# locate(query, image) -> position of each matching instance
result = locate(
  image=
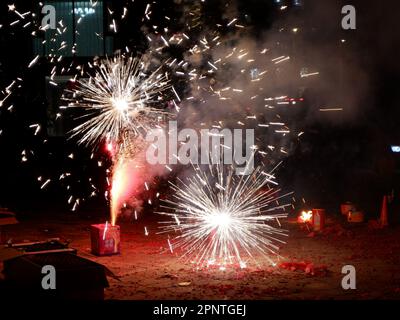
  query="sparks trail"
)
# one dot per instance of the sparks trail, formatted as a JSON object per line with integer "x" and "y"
{"x": 225, "y": 219}
{"x": 119, "y": 100}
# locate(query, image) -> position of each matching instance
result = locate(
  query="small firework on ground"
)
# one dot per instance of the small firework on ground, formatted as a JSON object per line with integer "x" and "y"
{"x": 223, "y": 219}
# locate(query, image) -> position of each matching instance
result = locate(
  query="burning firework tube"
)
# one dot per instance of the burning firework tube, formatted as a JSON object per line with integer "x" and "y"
{"x": 318, "y": 219}
{"x": 105, "y": 239}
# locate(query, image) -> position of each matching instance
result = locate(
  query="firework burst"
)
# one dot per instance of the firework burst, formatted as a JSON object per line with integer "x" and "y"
{"x": 225, "y": 219}
{"x": 119, "y": 101}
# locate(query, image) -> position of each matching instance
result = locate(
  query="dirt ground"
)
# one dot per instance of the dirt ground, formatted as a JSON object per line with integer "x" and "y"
{"x": 146, "y": 269}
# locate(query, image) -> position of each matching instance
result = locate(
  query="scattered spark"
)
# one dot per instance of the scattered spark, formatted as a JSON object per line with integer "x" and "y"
{"x": 231, "y": 22}
{"x": 170, "y": 246}
{"x": 330, "y": 109}
{"x": 105, "y": 230}
{"x": 309, "y": 74}
{"x": 45, "y": 184}
{"x": 33, "y": 61}
{"x": 176, "y": 94}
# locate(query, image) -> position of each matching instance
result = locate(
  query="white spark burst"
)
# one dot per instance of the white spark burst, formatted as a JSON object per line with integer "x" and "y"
{"x": 225, "y": 219}
{"x": 118, "y": 99}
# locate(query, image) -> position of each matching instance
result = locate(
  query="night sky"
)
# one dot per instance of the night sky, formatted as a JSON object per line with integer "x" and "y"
{"x": 337, "y": 152}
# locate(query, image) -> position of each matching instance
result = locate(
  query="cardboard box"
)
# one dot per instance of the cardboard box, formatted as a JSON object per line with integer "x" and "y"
{"x": 105, "y": 239}
{"x": 76, "y": 277}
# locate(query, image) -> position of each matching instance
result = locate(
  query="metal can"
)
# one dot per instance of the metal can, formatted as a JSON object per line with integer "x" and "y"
{"x": 318, "y": 219}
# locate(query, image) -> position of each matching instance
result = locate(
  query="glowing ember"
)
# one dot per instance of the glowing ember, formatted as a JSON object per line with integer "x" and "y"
{"x": 306, "y": 216}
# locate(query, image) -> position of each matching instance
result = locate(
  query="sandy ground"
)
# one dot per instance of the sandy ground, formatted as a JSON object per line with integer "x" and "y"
{"x": 147, "y": 270}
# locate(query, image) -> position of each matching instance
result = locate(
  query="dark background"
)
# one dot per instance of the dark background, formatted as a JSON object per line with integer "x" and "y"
{"x": 334, "y": 161}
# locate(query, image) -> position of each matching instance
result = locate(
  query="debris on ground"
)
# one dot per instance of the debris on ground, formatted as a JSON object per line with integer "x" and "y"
{"x": 306, "y": 267}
